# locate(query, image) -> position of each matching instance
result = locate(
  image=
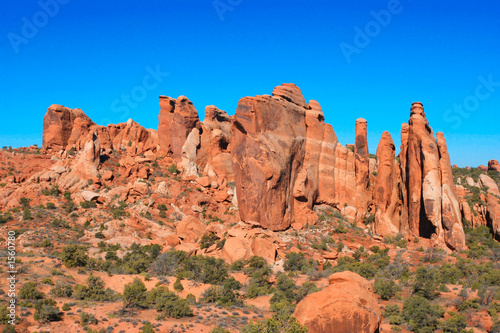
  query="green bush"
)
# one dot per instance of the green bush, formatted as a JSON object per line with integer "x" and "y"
{"x": 295, "y": 262}
{"x": 46, "y": 311}
{"x": 279, "y": 323}
{"x": 454, "y": 324}
{"x": 219, "y": 329}
{"x": 87, "y": 319}
{"x": 385, "y": 288}
{"x": 173, "y": 169}
{"x": 74, "y": 256}
{"x": 168, "y": 303}
{"x": 178, "y": 285}
{"x": 420, "y": 315}
{"x": 147, "y": 328}
{"x": 134, "y": 294}
{"x": 88, "y": 204}
{"x": 94, "y": 290}
{"x": 28, "y": 291}
{"x": 62, "y": 290}
{"x": 50, "y": 205}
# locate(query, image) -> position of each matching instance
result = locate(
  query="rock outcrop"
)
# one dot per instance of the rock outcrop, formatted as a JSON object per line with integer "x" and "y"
{"x": 284, "y": 159}
{"x": 386, "y": 193}
{"x": 494, "y": 165}
{"x": 177, "y": 119}
{"x": 347, "y": 305}
{"x": 68, "y": 129}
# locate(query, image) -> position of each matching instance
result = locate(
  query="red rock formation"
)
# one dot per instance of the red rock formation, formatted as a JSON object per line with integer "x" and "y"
{"x": 494, "y": 165}
{"x": 268, "y": 148}
{"x": 424, "y": 183}
{"x": 493, "y": 215}
{"x": 362, "y": 164}
{"x": 59, "y": 124}
{"x": 427, "y": 197}
{"x": 177, "y": 118}
{"x": 347, "y": 305}
{"x": 66, "y": 129}
{"x": 214, "y": 157}
{"x": 386, "y": 193}
{"x": 451, "y": 218}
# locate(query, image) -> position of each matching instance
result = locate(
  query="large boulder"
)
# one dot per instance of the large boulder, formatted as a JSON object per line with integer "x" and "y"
{"x": 494, "y": 165}
{"x": 347, "y": 305}
{"x": 190, "y": 229}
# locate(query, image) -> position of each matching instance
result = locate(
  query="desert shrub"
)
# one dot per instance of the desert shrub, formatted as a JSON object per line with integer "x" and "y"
{"x": 454, "y": 324}
{"x": 134, "y": 294}
{"x": 9, "y": 329}
{"x": 4, "y": 311}
{"x": 25, "y": 202}
{"x": 224, "y": 295}
{"x": 119, "y": 211}
{"x": 173, "y": 169}
{"x": 46, "y": 311}
{"x": 48, "y": 280}
{"x": 28, "y": 291}
{"x": 280, "y": 323}
{"x": 219, "y": 329}
{"x": 420, "y": 315}
{"x": 168, "y": 303}
{"x": 178, "y": 285}
{"x": 5, "y": 218}
{"x": 147, "y": 328}
{"x": 385, "y": 288}
{"x": 469, "y": 304}
{"x": 88, "y": 204}
{"x": 74, "y": 256}
{"x": 295, "y": 262}
{"x": 94, "y": 290}
{"x": 208, "y": 240}
{"x": 167, "y": 263}
{"x": 204, "y": 269}
{"x": 50, "y": 205}
{"x": 426, "y": 282}
{"x": 393, "y": 313}
{"x": 27, "y": 214}
{"x": 62, "y": 290}
{"x": 87, "y": 319}
{"x": 259, "y": 272}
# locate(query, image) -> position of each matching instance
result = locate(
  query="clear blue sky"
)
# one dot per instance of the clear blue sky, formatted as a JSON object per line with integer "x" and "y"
{"x": 88, "y": 54}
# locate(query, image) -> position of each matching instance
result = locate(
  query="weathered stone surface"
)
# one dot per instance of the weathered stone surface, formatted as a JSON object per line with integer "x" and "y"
{"x": 386, "y": 193}
{"x": 236, "y": 248}
{"x": 268, "y": 137}
{"x": 485, "y": 181}
{"x": 362, "y": 165}
{"x": 424, "y": 189}
{"x": 58, "y": 126}
{"x": 493, "y": 215}
{"x": 177, "y": 119}
{"x": 347, "y": 305}
{"x": 454, "y": 235}
{"x": 190, "y": 229}
{"x": 494, "y": 165}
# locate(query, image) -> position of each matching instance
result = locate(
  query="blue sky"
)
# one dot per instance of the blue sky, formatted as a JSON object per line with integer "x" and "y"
{"x": 368, "y": 59}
